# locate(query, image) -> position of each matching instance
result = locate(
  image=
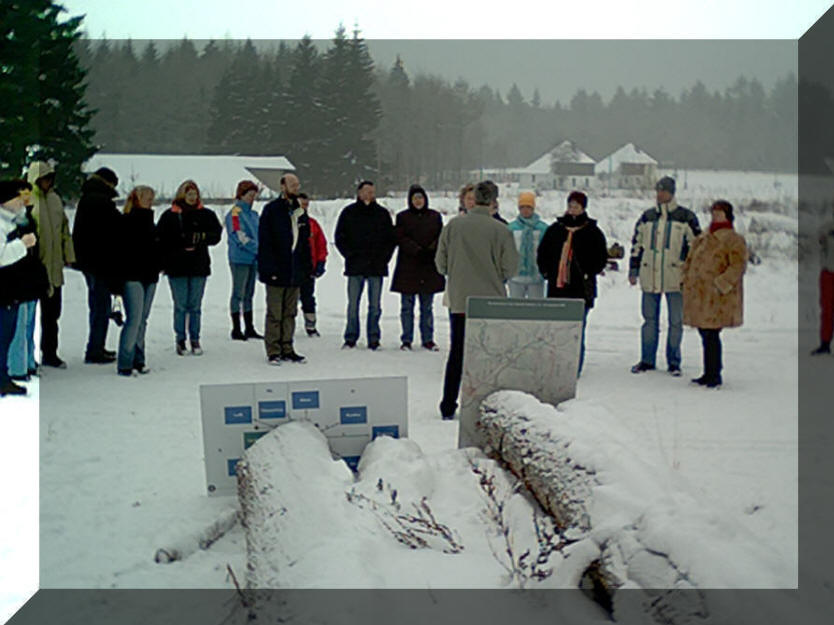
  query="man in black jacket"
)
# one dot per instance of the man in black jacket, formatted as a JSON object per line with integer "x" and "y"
{"x": 95, "y": 236}
{"x": 284, "y": 262}
{"x": 365, "y": 237}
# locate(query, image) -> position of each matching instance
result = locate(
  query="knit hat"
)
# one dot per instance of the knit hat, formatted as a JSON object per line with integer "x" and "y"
{"x": 666, "y": 183}
{"x": 108, "y": 175}
{"x": 10, "y": 189}
{"x": 244, "y": 187}
{"x": 527, "y": 198}
{"x": 578, "y": 196}
{"x": 725, "y": 206}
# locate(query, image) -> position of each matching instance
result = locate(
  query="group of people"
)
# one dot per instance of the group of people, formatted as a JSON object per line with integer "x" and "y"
{"x": 477, "y": 253}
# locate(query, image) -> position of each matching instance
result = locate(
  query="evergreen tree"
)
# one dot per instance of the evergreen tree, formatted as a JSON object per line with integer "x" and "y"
{"x": 42, "y": 92}
{"x": 304, "y": 131}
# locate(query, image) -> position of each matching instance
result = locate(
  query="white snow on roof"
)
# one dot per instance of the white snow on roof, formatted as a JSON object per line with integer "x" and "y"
{"x": 565, "y": 152}
{"x": 629, "y": 153}
{"x": 216, "y": 176}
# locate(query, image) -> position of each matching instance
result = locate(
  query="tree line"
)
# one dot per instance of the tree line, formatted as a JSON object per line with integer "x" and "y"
{"x": 339, "y": 118}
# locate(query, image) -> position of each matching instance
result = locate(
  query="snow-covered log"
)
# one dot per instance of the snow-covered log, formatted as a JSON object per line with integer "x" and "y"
{"x": 651, "y": 533}
{"x": 183, "y": 546}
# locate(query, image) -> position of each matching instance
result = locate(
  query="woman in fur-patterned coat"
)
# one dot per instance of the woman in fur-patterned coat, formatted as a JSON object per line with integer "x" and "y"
{"x": 713, "y": 296}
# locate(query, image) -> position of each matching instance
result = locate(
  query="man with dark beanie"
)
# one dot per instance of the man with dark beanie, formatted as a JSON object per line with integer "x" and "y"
{"x": 571, "y": 255}
{"x": 365, "y": 237}
{"x": 662, "y": 237}
{"x": 96, "y": 237}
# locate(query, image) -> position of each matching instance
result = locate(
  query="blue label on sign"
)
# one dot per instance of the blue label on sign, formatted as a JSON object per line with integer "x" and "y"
{"x": 385, "y": 430}
{"x": 352, "y": 462}
{"x": 232, "y": 465}
{"x": 238, "y": 414}
{"x": 272, "y": 409}
{"x": 305, "y": 400}
{"x": 353, "y": 414}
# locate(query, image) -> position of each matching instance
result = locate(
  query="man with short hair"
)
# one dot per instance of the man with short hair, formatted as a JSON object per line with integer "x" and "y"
{"x": 662, "y": 238}
{"x": 283, "y": 263}
{"x": 365, "y": 237}
{"x": 477, "y": 255}
{"x": 56, "y": 251}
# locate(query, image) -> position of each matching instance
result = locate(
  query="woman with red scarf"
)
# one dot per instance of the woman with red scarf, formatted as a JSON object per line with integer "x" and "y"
{"x": 712, "y": 287}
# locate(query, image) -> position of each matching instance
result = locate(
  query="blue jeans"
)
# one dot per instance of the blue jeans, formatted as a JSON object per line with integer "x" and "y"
{"x": 582, "y": 341}
{"x": 187, "y": 292}
{"x": 649, "y": 332}
{"x": 426, "y": 317}
{"x": 137, "y": 298}
{"x": 355, "y": 286}
{"x": 243, "y": 287}
{"x": 22, "y": 349}
{"x": 98, "y": 302}
{"x": 8, "y": 322}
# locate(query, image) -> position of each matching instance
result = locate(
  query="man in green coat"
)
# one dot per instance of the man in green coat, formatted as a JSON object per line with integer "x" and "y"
{"x": 477, "y": 255}
{"x": 56, "y": 252}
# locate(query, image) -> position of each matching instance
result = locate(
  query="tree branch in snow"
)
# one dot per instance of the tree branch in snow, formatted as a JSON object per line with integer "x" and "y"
{"x": 412, "y": 530}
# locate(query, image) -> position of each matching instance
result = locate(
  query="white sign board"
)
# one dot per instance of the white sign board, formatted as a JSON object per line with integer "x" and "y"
{"x": 350, "y": 413}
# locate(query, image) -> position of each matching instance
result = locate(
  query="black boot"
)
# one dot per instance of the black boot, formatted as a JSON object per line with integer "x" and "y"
{"x": 824, "y": 348}
{"x": 237, "y": 335}
{"x": 250, "y": 332}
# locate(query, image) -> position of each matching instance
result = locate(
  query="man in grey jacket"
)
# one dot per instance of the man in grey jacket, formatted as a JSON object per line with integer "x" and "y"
{"x": 477, "y": 255}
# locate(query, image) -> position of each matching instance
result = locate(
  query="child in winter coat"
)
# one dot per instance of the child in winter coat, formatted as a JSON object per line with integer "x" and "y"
{"x": 318, "y": 256}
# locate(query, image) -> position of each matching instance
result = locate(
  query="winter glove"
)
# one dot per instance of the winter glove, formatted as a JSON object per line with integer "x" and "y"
{"x": 319, "y": 271}
{"x": 241, "y": 236}
{"x": 116, "y": 311}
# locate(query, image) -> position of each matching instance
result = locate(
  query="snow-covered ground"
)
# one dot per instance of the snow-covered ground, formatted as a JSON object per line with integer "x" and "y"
{"x": 121, "y": 460}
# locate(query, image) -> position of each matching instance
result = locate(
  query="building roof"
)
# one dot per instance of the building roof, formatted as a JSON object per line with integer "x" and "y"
{"x": 217, "y": 176}
{"x": 565, "y": 152}
{"x": 629, "y": 153}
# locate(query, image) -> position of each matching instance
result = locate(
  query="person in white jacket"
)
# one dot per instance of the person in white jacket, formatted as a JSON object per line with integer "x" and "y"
{"x": 12, "y": 254}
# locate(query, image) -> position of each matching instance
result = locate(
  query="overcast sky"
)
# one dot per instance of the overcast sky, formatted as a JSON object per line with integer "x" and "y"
{"x": 532, "y": 59}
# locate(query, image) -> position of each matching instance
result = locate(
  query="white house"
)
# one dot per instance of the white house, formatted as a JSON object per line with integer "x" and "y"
{"x": 628, "y": 167}
{"x": 217, "y": 176}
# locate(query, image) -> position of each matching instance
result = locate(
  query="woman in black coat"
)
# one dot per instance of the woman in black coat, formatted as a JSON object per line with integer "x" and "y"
{"x": 417, "y": 229}
{"x": 571, "y": 254}
{"x": 139, "y": 269}
{"x": 185, "y": 232}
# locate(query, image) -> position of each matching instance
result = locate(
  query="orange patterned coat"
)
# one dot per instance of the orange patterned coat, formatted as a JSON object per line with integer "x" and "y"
{"x": 713, "y": 296}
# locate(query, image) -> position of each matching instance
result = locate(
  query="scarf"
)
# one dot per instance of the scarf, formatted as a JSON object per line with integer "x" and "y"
{"x": 715, "y": 226}
{"x": 576, "y": 223}
{"x": 527, "y": 264}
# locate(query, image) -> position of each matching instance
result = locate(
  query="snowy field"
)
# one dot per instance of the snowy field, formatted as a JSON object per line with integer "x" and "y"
{"x": 121, "y": 460}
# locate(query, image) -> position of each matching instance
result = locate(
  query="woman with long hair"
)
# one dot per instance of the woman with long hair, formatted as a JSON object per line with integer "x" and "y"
{"x": 185, "y": 231}
{"x": 140, "y": 271}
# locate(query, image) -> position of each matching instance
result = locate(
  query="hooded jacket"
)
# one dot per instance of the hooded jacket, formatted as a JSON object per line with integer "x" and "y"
{"x": 417, "y": 232}
{"x": 185, "y": 234}
{"x": 284, "y": 257}
{"x": 55, "y": 246}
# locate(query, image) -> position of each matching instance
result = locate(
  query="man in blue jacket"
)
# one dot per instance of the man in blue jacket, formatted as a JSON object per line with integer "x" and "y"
{"x": 283, "y": 263}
